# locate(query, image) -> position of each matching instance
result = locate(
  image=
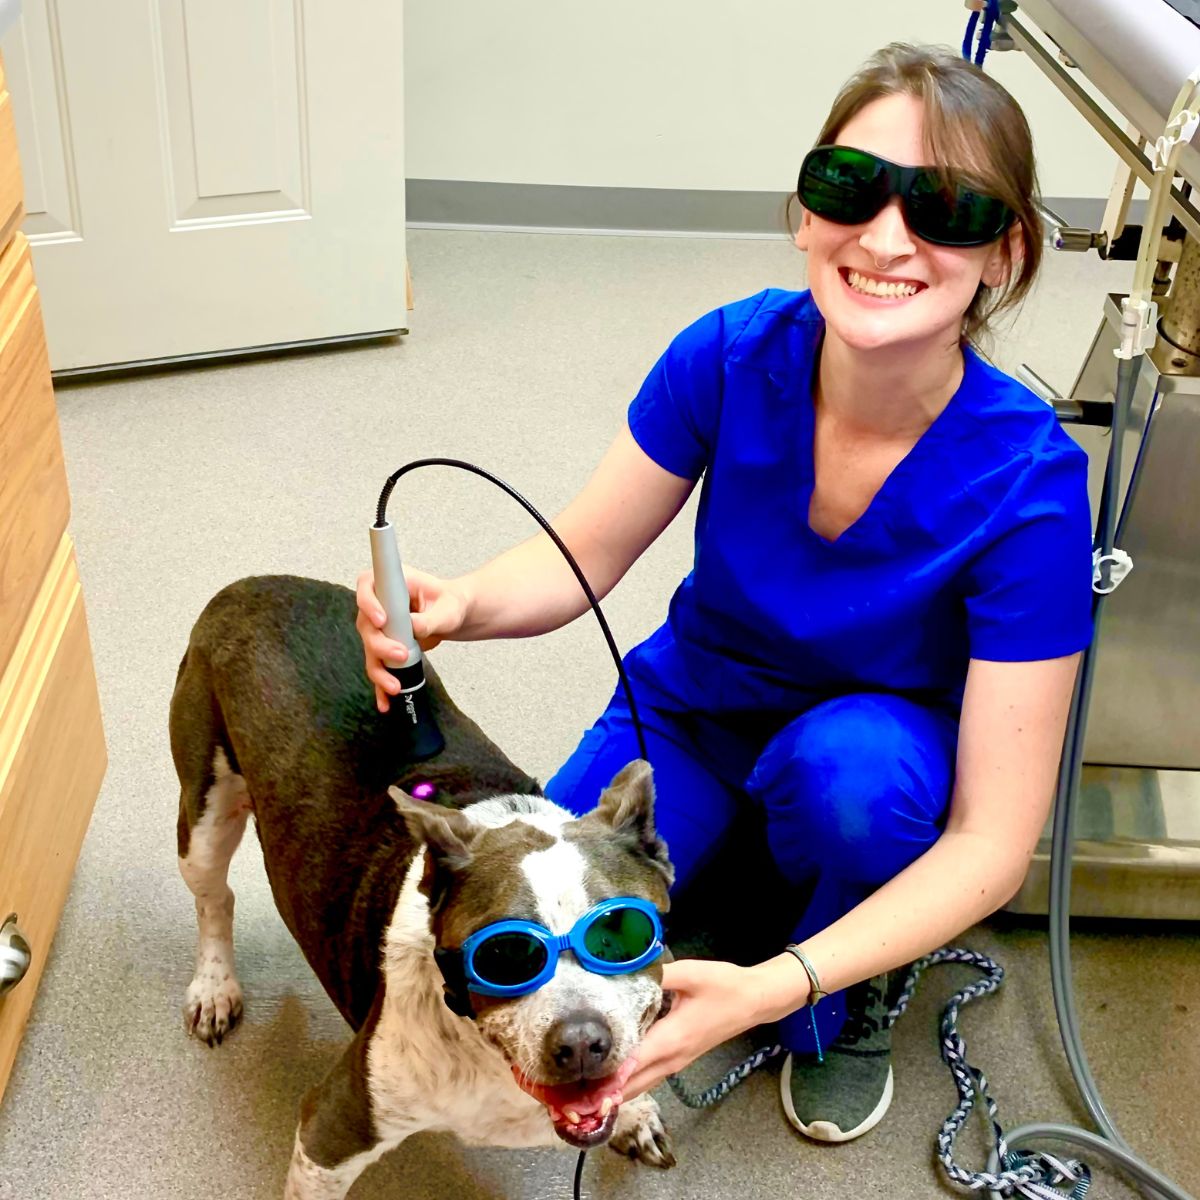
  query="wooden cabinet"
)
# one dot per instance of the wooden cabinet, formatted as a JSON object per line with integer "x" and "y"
{"x": 52, "y": 755}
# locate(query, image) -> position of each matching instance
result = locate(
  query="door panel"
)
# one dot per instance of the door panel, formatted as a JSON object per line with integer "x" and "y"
{"x": 33, "y": 58}
{"x": 230, "y": 86}
{"x": 210, "y": 175}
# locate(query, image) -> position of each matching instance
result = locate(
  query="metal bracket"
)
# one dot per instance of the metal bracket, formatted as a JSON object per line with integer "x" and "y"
{"x": 1068, "y": 410}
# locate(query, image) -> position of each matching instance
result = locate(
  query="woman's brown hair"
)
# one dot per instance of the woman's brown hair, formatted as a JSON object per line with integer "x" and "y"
{"x": 975, "y": 131}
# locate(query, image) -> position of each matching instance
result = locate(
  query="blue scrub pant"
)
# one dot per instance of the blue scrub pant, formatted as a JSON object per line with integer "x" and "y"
{"x": 849, "y": 793}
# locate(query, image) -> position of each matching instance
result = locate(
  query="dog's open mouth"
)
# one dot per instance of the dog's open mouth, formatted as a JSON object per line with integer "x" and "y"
{"x": 585, "y": 1112}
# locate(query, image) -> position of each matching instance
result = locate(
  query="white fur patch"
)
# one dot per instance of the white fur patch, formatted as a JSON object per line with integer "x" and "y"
{"x": 497, "y": 812}
{"x": 428, "y": 1069}
{"x": 308, "y": 1181}
{"x": 556, "y": 877}
{"x": 214, "y": 997}
{"x": 221, "y": 765}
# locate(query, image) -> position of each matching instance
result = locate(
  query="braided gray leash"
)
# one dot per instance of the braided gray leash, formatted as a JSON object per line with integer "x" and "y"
{"x": 727, "y": 1082}
{"x": 1038, "y": 1176}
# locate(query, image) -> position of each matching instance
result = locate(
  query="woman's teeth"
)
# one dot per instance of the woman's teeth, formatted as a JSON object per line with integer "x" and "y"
{"x": 872, "y": 287}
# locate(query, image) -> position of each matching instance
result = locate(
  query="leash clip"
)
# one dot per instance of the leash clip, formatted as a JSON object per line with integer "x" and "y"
{"x": 1119, "y": 565}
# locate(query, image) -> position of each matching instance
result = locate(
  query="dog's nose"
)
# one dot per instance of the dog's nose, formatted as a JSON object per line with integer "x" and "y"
{"x": 580, "y": 1044}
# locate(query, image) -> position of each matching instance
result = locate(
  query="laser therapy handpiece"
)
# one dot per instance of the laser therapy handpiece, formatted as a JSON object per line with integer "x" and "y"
{"x": 414, "y": 716}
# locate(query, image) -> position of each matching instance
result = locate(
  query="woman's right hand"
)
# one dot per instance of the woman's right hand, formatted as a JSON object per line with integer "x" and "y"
{"x": 439, "y": 608}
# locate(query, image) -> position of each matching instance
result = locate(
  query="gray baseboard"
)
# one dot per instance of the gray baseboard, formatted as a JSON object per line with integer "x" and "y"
{"x": 534, "y": 206}
{"x": 461, "y": 204}
{"x": 1086, "y": 212}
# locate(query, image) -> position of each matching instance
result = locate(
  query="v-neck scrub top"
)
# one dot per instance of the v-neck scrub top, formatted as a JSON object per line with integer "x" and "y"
{"x": 977, "y": 545}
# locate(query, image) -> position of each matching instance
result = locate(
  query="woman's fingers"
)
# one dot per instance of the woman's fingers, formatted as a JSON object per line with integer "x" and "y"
{"x": 368, "y": 602}
{"x": 378, "y": 648}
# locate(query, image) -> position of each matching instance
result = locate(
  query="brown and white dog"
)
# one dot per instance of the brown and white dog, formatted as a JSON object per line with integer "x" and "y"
{"x": 272, "y": 715}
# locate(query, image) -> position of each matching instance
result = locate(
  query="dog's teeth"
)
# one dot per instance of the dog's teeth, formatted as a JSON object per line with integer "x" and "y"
{"x": 573, "y": 1117}
{"x": 606, "y": 1107}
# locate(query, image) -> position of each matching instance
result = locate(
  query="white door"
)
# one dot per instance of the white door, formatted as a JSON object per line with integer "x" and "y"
{"x": 206, "y": 176}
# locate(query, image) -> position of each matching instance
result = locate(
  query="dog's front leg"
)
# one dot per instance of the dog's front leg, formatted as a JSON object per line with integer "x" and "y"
{"x": 640, "y": 1133}
{"x": 338, "y": 1136}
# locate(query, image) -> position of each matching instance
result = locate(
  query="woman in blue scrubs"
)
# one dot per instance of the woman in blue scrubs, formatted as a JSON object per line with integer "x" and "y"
{"x": 877, "y": 645}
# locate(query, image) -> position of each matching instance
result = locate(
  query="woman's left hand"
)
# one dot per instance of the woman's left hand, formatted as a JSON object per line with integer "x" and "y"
{"x": 713, "y": 1001}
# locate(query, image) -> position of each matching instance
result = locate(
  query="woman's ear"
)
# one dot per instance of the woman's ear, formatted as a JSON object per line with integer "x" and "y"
{"x": 1000, "y": 267}
{"x": 803, "y": 229}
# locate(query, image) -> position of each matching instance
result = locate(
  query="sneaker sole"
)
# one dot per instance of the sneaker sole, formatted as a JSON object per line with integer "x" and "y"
{"x": 827, "y": 1131}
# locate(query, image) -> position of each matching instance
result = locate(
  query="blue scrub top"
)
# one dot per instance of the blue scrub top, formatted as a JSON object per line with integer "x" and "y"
{"x": 977, "y": 545}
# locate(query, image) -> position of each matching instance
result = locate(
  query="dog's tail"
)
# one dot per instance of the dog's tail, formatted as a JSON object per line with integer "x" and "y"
{"x": 197, "y": 732}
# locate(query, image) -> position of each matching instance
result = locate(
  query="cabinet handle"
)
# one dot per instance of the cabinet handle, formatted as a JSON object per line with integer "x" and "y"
{"x": 15, "y": 955}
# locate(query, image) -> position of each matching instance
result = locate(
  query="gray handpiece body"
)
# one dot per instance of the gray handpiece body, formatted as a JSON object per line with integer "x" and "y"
{"x": 393, "y": 596}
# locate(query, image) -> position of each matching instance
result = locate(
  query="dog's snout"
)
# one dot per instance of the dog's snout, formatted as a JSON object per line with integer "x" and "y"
{"x": 580, "y": 1045}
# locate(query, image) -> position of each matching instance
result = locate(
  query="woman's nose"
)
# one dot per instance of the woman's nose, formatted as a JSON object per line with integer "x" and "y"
{"x": 887, "y": 236}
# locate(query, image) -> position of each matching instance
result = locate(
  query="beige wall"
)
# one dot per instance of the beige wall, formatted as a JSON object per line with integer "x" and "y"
{"x": 675, "y": 93}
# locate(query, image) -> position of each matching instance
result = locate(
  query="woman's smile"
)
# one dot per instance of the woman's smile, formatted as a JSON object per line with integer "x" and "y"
{"x": 872, "y": 288}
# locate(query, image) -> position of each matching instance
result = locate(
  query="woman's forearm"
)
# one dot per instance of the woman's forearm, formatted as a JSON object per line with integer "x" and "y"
{"x": 530, "y": 589}
{"x": 957, "y": 882}
{"x": 526, "y": 591}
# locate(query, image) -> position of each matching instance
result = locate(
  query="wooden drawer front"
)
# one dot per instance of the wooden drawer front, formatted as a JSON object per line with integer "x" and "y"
{"x": 34, "y": 503}
{"x": 52, "y": 759}
{"x": 10, "y": 170}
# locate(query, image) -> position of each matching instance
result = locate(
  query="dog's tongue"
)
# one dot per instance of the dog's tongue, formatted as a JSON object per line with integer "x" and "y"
{"x": 571, "y": 1102}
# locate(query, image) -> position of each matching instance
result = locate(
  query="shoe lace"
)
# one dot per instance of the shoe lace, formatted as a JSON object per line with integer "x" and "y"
{"x": 864, "y": 1012}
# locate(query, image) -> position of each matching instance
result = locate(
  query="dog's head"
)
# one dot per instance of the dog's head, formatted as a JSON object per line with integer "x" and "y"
{"x": 569, "y": 1043}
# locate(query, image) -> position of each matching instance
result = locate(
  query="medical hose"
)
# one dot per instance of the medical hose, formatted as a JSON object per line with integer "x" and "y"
{"x": 1109, "y": 1144}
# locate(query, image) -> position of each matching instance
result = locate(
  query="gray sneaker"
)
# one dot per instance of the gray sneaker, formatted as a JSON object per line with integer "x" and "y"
{"x": 849, "y": 1092}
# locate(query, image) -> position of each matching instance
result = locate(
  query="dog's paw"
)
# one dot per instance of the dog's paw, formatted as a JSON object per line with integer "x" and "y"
{"x": 214, "y": 1002}
{"x": 640, "y": 1133}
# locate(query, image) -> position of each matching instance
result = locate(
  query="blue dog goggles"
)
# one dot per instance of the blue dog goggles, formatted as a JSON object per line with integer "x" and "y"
{"x": 514, "y": 957}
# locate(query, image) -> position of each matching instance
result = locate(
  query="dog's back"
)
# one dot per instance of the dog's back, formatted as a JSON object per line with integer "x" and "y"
{"x": 272, "y": 714}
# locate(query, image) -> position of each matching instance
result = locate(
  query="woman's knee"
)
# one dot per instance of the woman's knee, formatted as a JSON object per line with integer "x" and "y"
{"x": 862, "y": 780}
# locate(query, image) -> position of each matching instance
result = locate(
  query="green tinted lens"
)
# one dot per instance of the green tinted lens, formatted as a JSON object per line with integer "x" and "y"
{"x": 509, "y": 959}
{"x": 961, "y": 217}
{"x": 619, "y": 936}
{"x": 843, "y": 185}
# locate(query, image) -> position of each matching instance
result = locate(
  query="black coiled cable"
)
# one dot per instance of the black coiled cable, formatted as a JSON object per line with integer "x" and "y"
{"x": 548, "y": 529}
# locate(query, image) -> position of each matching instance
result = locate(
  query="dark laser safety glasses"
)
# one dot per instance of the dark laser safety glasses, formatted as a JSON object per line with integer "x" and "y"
{"x": 850, "y": 186}
{"x": 514, "y": 957}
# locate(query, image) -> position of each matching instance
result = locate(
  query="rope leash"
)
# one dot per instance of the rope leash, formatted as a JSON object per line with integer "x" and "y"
{"x": 1039, "y": 1176}
{"x": 731, "y": 1079}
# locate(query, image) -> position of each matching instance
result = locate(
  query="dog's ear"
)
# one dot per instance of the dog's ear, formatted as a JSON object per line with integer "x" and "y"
{"x": 448, "y": 837}
{"x": 627, "y": 805}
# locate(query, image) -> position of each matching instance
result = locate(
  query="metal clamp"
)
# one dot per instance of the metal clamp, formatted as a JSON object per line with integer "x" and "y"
{"x": 15, "y": 955}
{"x": 1064, "y": 236}
{"x": 1068, "y": 410}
